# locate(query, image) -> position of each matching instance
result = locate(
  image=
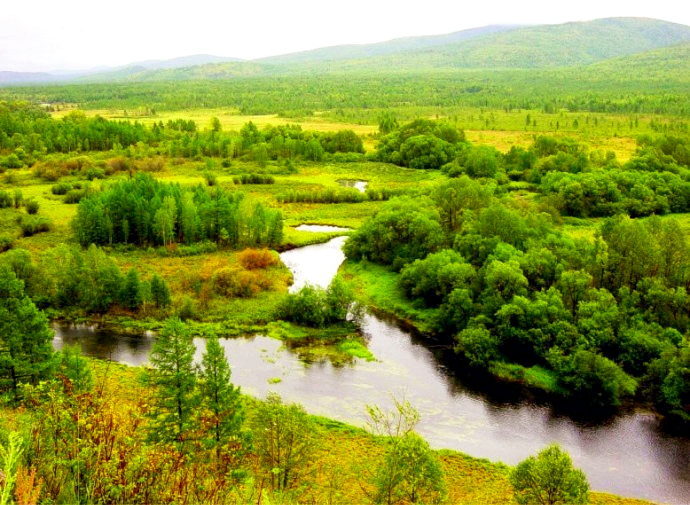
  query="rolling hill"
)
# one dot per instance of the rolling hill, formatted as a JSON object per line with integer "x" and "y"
{"x": 569, "y": 45}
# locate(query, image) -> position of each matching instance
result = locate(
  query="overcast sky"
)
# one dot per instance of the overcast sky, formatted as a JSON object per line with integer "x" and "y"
{"x": 43, "y": 35}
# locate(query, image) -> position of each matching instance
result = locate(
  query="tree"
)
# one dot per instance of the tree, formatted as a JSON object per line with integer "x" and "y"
{"x": 130, "y": 294}
{"x": 174, "y": 377}
{"x": 221, "y": 400}
{"x": 160, "y": 292}
{"x": 75, "y": 367}
{"x": 478, "y": 345}
{"x": 284, "y": 441}
{"x": 26, "y": 351}
{"x": 549, "y": 479}
{"x": 409, "y": 472}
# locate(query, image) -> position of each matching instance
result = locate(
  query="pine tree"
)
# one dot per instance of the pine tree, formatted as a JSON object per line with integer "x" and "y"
{"x": 130, "y": 294}
{"x": 26, "y": 351}
{"x": 160, "y": 292}
{"x": 174, "y": 376}
{"x": 223, "y": 408}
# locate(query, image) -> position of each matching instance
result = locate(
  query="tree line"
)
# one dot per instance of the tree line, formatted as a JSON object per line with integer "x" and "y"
{"x": 27, "y": 133}
{"x": 564, "y": 172}
{"x": 144, "y": 211}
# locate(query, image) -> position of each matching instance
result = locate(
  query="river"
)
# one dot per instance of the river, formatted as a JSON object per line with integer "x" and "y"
{"x": 626, "y": 455}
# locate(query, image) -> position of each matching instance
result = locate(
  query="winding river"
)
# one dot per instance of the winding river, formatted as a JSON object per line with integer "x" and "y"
{"x": 626, "y": 455}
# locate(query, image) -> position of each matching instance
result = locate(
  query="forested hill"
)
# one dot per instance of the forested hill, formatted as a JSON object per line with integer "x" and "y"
{"x": 572, "y": 45}
{"x": 659, "y": 65}
{"x": 396, "y": 46}
{"x": 547, "y": 46}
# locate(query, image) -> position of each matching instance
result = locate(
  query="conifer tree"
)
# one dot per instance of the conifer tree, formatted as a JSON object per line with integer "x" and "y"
{"x": 160, "y": 292}
{"x": 130, "y": 294}
{"x": 222, "y": 402}
{"x": 174, "y": 376}
{"x": 26, "y": 351}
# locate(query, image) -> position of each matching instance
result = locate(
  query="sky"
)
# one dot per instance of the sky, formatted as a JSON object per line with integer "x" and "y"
{"x": 49, "y": 35}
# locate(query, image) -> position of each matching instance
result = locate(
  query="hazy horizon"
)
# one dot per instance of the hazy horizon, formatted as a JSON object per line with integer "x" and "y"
{"x": 73, "y": 35}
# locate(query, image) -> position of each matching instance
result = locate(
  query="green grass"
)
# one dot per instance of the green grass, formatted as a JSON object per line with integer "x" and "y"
{"x": 534, "y": 377}
{"x": 356, "y": 349}
{"x": 378, "y": 287}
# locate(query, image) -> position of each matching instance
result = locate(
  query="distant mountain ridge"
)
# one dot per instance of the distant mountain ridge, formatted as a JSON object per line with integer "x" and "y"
{"x": 399, "y": 45}
{"x": 576, "y": 44}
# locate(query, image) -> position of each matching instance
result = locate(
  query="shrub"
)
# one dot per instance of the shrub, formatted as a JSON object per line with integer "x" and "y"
{"x": 11, "y": 161}
{"x": 151, "y": 164}
{"x": 252, "y": 259}
{"x": 549, "y": 479}
{"x": 5, "y": 199}
{"x": 49, "y": 171}
{"x": 187, "y": 309}
{"x": 92, "y": 173}
{"x": 60, "y": 188}
{"x": 316, "y": 307}
{"x": 234, "y": 282}
{"x": 211, "y": 179}
{"x": 18, "y": 198}
{"x": 33, "y": 225}
{"x": 254, "y": 179}
{"x": 31, "y": 206}
{"x": 74, "y": 196}
{"x": 119, "y": 164}
{"x": 6, "y": 242}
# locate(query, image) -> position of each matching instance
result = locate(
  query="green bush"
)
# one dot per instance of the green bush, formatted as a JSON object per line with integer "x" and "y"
{"x": 316, "y": 307}
{"x": 61, "y": 188}
{"x": 33, "y": 225}
{"x": 6, "y": 199}
{"x": 6, "y": 242}
{"x": 31, "y": 206}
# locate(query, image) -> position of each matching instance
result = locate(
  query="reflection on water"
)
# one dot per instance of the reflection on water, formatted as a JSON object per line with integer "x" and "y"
{"x": 626, "y": 455}
{"x": 315, "y": 264}
{"x": 360, "y": 186}
{"x": 105, "y": 344}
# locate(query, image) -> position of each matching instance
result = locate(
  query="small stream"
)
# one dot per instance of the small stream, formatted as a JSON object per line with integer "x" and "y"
{"x": 626, "y": 455}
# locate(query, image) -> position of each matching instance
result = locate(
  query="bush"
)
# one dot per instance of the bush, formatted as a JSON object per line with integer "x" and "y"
{"x": 252, "y": 259}
{"x": 119, "y": 164}
{"x": 18, "y": 198}
{"x": 237, "y": 283}
{"x": 187, "y": 309}
{"x": 549, "y": 479}
{"x": 254, "y": 179}
{"x": 61, "y": 188}
{"x": 211, "y": 179}
{"x": 151, "y": 164}
{"x": 11, "y": 161}
{"x": 316, "y": 307}
{"x": 74, "y": 196}
{"x": 92, "y": 173}
{"x": 6, "y": 242}
{"x": 33, "y": 225}
{"x": 5, "y": 199}
{"x": 31, "y": 206}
